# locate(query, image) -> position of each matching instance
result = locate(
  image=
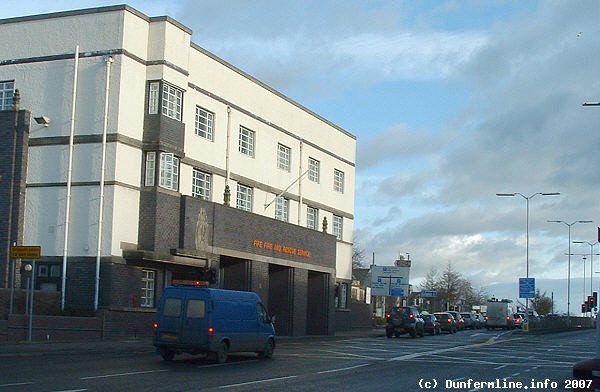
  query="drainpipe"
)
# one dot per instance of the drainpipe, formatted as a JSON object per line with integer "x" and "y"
{"x": 69, "y": 175}
{"x": 300, "y": 184}
{"x": 109, "y": 61}
{"x": 227, "y": 193}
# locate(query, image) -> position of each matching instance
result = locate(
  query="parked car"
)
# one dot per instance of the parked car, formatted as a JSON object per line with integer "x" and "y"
{"x": 470, "y": 321}
{"x": 447, "y": 322}
{"x": 460, "y": 323}
{"x": 432, "y": 324}
{"x": 402, "y": 320}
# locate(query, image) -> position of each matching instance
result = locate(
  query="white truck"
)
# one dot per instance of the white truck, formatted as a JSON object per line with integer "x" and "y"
{"x": 500, "y": 314}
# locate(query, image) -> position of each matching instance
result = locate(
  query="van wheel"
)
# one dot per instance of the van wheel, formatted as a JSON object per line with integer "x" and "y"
{"x": 167, "y": 355}
{"x": 221, "y": 353}
{"x": 269, "y": 348}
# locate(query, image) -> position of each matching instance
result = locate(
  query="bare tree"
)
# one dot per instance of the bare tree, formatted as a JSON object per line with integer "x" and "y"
{"x": 358, "y": 255}
{"x": 453, "y": 289}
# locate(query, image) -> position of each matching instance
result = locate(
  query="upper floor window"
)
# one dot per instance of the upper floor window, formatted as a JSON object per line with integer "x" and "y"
{"x": 153, "y": 97}
{"x": 171, "y": 101}
{"x": 204, "y": 123}
{"x": 169, "y": 171}
{"x": 312, "y": 218}
{"x": 337, "y": 227}
{"x": 201, "y": 182}
{"x": 244, "y": 197}
{"x": 282, "y": 206}
{"x": 284, "y": 154}
{"x": 150, "y": 168}
{"x": 313, "y": 169}
{"x": 246, "y": 141}
{"x": 338, "y": 181}
{"x": 7, "y": 91}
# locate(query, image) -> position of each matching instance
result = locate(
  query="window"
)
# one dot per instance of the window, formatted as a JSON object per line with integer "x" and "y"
{"x": 153, "y": 96}
{"x": 341, "y": 297}
{"x": 171, "y": 101}
{"x": 246, "y": 145}
{"x": 282, "y": 206}
{"x": 195, "y": 308}
{"x": 201, "y": 184}
{"x": 55, "y": 271}
{"x": 338, "y": 181}
{"x": 172, "y": 307}
{"x": 7, "y": 91}
{"x": 150, "y": 168}
{"x": 283, "y": 157}
{"x": 313, "y": 169}
{"x": 204, "y": 123}
{"x": 312, "y": 218}
{"x": 148, "y": 277}
{"x": 337, "y": 227}
{"x": 169, "y": 171}
{"x": 244, "y": 197}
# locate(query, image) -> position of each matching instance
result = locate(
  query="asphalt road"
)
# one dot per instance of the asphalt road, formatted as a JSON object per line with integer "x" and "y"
{"x": 467, "y": 361}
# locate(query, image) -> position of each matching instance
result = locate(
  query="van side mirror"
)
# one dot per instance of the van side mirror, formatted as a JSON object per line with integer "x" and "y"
{"x": 271, "y": 319}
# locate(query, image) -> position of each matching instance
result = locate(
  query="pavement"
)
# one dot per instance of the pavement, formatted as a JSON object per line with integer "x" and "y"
{"x": 144, "y": 344}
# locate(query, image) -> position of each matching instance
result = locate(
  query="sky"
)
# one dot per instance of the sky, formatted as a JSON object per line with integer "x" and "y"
{"x": 452, "y": 102}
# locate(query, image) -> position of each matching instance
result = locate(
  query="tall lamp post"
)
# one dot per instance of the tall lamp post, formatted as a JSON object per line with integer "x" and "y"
{"x": 527, "y": 198}
{"x": 569, "y": 268}
{"x": 591, "y": 262}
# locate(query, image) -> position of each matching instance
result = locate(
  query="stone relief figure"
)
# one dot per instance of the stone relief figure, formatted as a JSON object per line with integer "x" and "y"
{"x": 202, "y": 230}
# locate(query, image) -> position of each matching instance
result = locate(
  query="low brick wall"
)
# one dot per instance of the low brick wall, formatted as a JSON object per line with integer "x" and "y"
{"x": 359, "y": 316}
{"x": 53, "y": 328}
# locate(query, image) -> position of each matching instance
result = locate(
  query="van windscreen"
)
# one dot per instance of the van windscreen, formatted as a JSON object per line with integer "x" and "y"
{"x": 172, "y": 307}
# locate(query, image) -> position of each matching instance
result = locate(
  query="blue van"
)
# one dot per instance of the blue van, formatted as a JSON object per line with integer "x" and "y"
{"x": 199, "y": 320}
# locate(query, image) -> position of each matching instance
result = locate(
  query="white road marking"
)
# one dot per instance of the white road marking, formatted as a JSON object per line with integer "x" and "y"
{"x": 256, "y": 382}
{"x": 124, "y": 374}
{"x": 342, "y": 369}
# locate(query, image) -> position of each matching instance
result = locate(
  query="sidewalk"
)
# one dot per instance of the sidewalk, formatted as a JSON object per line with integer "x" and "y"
{"x": 145, "y": 344}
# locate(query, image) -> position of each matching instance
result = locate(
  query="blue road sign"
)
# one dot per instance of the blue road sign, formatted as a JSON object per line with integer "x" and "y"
{"x": 396, "y": 292}
{"x": 526, "y": 287}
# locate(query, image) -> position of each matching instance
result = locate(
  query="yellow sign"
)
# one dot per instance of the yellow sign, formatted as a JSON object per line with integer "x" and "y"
{"x": 25, "y": 252}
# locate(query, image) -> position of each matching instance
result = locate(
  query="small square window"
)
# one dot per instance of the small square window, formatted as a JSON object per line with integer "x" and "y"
{"x": 312, "y": 218}
{"x": 338, "y": 181}
{"x": 244, "y": 197}
{"x": 201, "y": 184}
{"x": 204, "y": 123}
{"x": 284, "y": 155}
{"x": 246, "y": 141}
{"x": 313, "y": 169}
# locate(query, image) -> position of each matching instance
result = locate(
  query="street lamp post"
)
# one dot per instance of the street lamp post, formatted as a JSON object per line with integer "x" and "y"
{"x": 569, "y": 267}
{"x": 584, "y": 291}
{"x": 527, "y": 198}
{"x": 591, "y": 261}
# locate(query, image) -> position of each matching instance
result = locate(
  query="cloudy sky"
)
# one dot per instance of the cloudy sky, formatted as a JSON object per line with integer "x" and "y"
{"x": 451, "y": 102}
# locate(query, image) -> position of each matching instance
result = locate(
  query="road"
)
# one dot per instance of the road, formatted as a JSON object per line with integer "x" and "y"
{"x": 466, "y": 361}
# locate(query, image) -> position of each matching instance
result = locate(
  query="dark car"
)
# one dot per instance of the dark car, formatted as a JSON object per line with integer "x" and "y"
{"x": 460, "y": 323}
{"x": 446, "y": 321}
{"x": 470, "y": 320}
{"x": 432, "y": 325}
{"x": 402, "y": 320}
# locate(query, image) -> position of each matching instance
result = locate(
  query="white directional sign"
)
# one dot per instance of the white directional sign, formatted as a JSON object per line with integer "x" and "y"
{"x": 389, "y": 280}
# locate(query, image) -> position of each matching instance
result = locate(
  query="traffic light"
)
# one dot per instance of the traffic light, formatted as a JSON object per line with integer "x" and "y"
{"x": 584, "y": 307}
{"x": 591, "y": 303}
